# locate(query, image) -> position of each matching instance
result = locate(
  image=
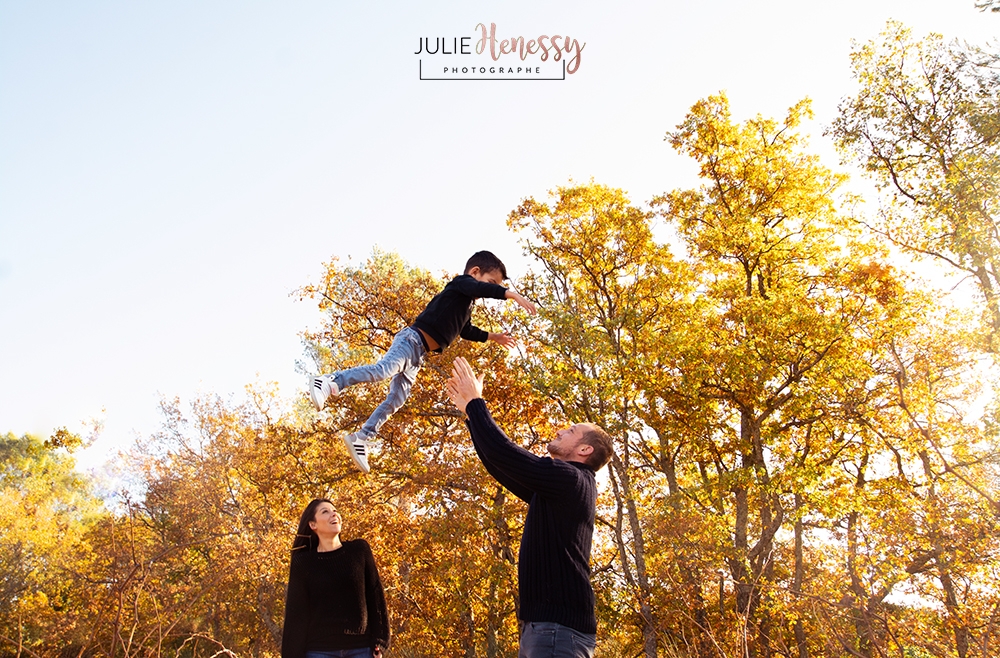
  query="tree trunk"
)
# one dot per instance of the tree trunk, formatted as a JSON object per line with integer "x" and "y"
{"x": 951, "y": 603}
{"x": 492, "y": 623}
{"x": 862, "y": 622}
{"x": 638, "y": 578}
{"x": 862, "y": 629}
{"x": 750, "y": 566}
{"x": 798, "y": 577}
{"x": 941, "y": 561}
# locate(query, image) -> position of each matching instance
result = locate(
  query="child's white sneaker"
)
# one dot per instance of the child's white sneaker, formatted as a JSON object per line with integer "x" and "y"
{"x": 322, "y": 387}
{"x": 359, "y": 447}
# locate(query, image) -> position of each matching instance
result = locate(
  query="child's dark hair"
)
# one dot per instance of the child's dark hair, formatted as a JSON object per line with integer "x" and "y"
{"x": 486, "y": 262}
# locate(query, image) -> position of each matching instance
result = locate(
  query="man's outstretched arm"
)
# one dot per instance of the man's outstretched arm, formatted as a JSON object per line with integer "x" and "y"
{"x": 486, "y": 435}
{"x": 518, "y": 470}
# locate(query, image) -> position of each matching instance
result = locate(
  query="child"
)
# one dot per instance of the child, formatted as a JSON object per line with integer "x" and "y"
{"x": 446, "y": 317}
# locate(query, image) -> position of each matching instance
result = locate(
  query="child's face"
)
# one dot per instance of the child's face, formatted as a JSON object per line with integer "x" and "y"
{"x": 493, "y": 276}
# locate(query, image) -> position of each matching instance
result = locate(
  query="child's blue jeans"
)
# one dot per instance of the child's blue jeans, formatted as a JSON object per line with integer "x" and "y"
{"x": 402, "y": 363}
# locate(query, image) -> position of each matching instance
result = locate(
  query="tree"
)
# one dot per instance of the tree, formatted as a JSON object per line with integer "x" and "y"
{"x": 607, "y": 292}
{"x": 45, "y": 509}
{"x": 794, "y": 301}
{"x": 925, "y": 122}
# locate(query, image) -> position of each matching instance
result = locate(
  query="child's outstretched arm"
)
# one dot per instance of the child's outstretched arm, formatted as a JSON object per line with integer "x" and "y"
{"x": 524, "y": 303}
{"x": 503, "y": 339}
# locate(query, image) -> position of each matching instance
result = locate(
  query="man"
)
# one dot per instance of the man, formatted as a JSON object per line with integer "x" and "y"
{"x": 553, "y": 566}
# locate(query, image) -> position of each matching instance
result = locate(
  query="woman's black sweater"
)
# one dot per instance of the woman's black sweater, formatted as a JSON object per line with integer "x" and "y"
{"x": 335, "y": 601}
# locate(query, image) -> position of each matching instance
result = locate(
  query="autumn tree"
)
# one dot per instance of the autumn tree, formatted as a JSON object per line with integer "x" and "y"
{"x": 191, "y": 560}
{"x": 606, "y": 290}
{"x": 925, "y": 123}
{"x": 807, "y": 321}
{"x": 792, "y": 296}
{"x": 713, "y": 369}
{"x": 46, "y": 507}
{"x": 946, "y": 462}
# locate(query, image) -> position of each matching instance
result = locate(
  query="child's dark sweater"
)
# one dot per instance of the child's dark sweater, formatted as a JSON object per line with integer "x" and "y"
{"x": 553, "y": 566}
{"x": 449, "y": 314}
{"x": 335, "y": 601}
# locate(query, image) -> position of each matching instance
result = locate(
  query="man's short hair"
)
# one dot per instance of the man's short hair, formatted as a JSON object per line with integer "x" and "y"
{"x": 486, "y": 262}
{"x": 599, "y": 440}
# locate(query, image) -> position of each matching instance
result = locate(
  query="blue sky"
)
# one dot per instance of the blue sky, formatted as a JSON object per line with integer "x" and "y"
{"x": 171, "y": 172}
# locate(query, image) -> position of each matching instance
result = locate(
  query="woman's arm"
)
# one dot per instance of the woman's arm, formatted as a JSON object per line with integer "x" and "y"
{"x": 378, "y": 614}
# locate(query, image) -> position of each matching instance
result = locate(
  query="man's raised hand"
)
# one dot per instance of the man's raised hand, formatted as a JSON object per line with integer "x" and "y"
{"x": 463, "y": 386}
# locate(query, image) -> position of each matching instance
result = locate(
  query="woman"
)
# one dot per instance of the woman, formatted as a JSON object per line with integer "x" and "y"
{"x": 335, "y": 607}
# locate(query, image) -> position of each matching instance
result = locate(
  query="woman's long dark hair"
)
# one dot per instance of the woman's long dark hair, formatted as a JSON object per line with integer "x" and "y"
{"x": 304, "y": 536}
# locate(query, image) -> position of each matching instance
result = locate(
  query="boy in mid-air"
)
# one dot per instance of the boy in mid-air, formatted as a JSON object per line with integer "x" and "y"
{"x": 446, "y": 317}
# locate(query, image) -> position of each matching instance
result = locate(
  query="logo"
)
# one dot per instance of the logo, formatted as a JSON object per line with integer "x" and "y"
{"x": 544, "y": 57}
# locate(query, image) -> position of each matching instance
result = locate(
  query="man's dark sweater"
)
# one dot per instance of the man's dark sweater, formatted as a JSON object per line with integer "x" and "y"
{"x": 553, "y": 566}
{"x": 449, "y": 314}
{"x": 335, "y": 601}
